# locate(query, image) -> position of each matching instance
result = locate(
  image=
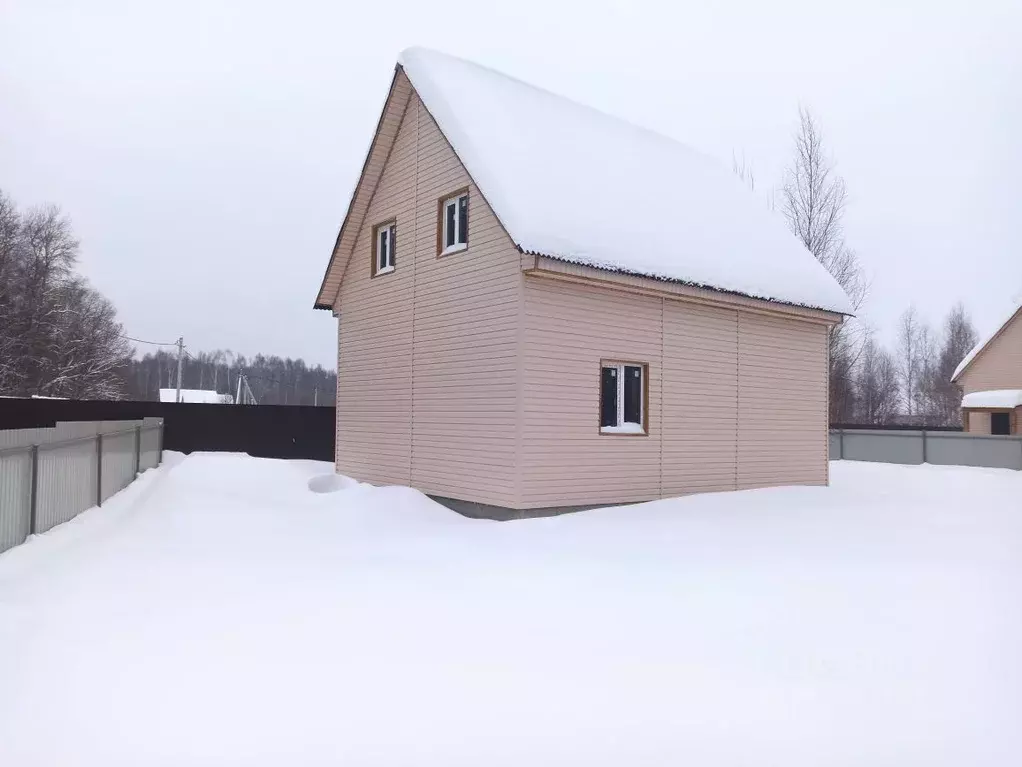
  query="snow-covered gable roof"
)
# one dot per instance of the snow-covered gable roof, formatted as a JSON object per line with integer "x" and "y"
{"x": 985, "y": 341}
{"x": 572, "y": 183}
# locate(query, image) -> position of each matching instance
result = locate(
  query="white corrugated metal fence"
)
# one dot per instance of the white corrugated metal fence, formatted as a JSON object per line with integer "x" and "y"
{"x": 911, "y": 446}
{"x": 48, "y": 476}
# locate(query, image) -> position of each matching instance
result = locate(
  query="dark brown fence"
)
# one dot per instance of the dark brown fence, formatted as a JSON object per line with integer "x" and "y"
{"x": 267, "y": 431}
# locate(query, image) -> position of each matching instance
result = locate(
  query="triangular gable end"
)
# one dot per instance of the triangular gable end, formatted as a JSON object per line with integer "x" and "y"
{"x": 372, "y": 170}
{"x": 983, "y": 345}
{"x": 400, "y": 96}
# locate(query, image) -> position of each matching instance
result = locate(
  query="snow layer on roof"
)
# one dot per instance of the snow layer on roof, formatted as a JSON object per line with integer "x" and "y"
{"x": 196, "y": 395}
{"x": 573, "y": 183}
{"x": 967, "y": 360}
{"x": 1008, "y": 398}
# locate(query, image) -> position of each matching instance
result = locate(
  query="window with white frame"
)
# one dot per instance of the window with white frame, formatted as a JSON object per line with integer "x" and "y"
{"x": 623, "y": 398}
{"x": 454, "y": 223}
{"x": 384, "y": 248}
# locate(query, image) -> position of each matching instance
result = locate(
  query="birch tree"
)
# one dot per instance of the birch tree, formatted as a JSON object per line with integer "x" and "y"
{"x": 813, "y": 202}
{"x": 909, "y": 358}
{"x": 926, "y": 355}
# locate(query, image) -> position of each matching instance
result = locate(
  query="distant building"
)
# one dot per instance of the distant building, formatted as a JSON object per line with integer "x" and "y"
{"x": 203, "y": 396}
{"x": 990, "y": 377}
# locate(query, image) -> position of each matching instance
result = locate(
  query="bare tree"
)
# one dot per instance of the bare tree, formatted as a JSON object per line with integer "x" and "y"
{"x": 10, "y": 230}
{"x": 876, "y": 384}
{"x": 926, "y": 356}
{"x": 813, "y": 202}
{"x": 959, "y": 338}
{"x": 908, "y": 358}
{"x": 89, "y": 350}
{"x": 58, "y": 336}
{"x": 744, "y": 171}
{"x": 50, "y": 253}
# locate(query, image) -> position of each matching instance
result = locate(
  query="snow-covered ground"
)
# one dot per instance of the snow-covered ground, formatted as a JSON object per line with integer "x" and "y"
{"x": 221, "y": 612}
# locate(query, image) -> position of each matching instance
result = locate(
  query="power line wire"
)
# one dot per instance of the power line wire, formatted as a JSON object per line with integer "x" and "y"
{"x": 143, "y": 341}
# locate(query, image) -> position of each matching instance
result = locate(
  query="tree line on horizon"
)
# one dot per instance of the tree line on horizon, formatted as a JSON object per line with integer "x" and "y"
{"x": 273, "y": 380}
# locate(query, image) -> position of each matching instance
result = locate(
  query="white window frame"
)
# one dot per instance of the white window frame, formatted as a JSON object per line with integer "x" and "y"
{"x": 626, "y": 427}
{"x": 460, "y": 239}
{"x": 388, "y": 267}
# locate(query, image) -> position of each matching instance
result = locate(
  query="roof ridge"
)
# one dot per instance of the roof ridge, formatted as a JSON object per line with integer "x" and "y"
{"x": 581, "y": 104}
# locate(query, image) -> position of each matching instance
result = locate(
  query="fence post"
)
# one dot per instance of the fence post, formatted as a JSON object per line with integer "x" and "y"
{"x": 99, "y": 469}
{"x": 34, "y": 494}
{"x": 159, "y": 457}
{"x": 924, "y": 445}
{"x": 841, "y": 444}
{"x": 138, "y": 449}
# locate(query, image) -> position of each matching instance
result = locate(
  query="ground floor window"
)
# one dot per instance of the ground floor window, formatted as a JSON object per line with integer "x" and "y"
{"x": 1000, "y": 423}
{"x": 623, "y": 397}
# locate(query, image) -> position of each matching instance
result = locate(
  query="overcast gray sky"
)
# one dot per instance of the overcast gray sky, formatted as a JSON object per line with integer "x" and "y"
{"x": 206, "y": 150}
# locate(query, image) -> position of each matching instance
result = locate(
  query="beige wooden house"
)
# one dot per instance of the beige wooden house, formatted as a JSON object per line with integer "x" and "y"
{"x": 990, "y": 377}
{"x": 544, "y": 307}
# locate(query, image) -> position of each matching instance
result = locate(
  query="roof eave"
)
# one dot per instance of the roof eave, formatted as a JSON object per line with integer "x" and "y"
{"x": 839, "y": 316}
{"x": 985, "y": 345}
{"x": 320, "y": 299}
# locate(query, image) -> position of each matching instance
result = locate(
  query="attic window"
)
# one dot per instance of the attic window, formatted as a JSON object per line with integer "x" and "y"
{"x": 453, "y": 224}
{"x": 623, "y": 398}
{"x": 384, "y": 248}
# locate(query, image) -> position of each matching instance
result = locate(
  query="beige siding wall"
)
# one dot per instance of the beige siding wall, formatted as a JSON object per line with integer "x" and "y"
{"x": 374, "y": 382}
{"x": 782, "y": 402}
{"x": 737, "y": 399}
{"x": 700, "y": 414}
{"x": 465, "y": 366}
{"x": 999, "y": 365}
{"x": 569, "y": 328}
{"x": 427, "y": 384}
{"x": 979, "y": 422}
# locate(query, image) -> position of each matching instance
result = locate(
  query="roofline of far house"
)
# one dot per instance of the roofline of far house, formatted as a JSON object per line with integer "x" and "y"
{"x": 976, "y": 353}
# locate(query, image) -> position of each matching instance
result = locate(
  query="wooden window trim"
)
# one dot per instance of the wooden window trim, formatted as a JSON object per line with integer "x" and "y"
{"x": 373, "y": 270}
{"x": 440, "y": 222}
{"x": 645, "y": 397}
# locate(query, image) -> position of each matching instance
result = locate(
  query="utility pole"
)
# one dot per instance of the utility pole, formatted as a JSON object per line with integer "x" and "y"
{"x": 180, "y": 359}
{"x": 237, "y": 397}
{"x": 250, "y": 397}
{"x": 315, "y": 397}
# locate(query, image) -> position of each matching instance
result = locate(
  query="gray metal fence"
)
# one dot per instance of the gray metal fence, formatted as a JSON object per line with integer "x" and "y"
{"x": 48, "y": 476}
{"x": 946, "y": 448}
